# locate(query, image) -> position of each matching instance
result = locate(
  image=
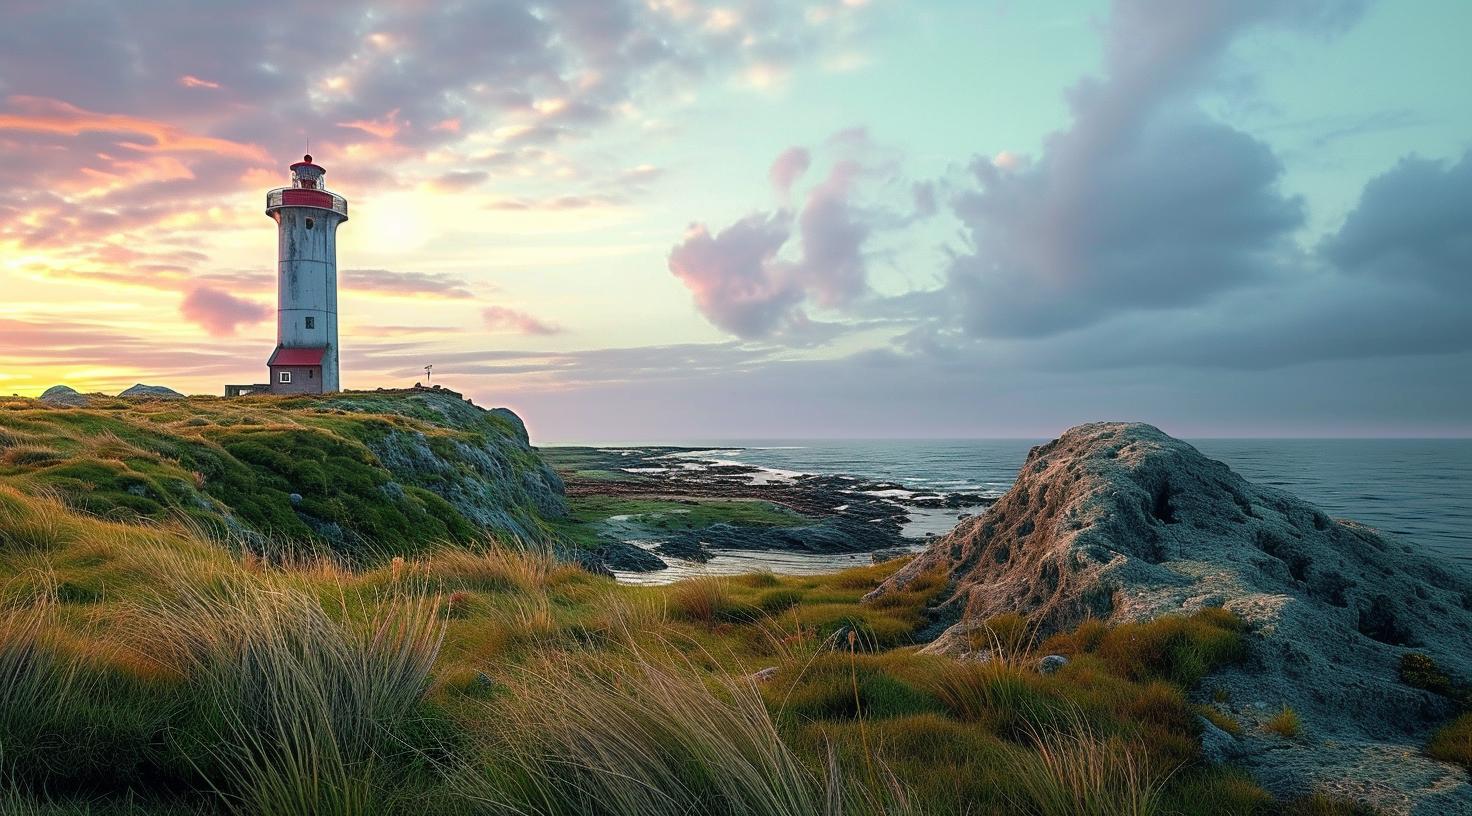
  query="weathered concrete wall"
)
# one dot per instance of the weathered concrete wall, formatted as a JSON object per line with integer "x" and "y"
{"x": 307, "y": 287}
{"x": 304, "y": 380}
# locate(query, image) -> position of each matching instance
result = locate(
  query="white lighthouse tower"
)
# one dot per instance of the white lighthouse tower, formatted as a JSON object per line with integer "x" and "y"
{"x": 306, "y": 357}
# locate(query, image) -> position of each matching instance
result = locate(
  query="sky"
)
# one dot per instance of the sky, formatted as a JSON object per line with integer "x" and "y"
{"x": 665, "y": 220}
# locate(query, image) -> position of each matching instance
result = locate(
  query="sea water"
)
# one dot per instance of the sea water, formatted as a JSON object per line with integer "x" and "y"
{"x": 1419, "y": 490}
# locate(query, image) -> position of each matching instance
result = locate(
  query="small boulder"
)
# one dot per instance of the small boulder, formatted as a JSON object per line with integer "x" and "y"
{"x": 294, "y": 498}
{"x": 1217, "y": 746}
{"x": 621, "y": 555}
{"x": 765, "y": 675}
{"x": 1052, "y": 663}
{"x": 141, "y": 391}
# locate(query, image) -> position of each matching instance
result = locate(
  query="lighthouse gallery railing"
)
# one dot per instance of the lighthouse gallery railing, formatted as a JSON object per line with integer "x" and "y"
{"x": 299, "y": 197}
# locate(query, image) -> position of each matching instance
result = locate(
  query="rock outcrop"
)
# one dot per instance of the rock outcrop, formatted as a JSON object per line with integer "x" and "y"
{"x": 64, "y": 395}
{"x": 139, "y": 390}
{"x": 1122, "y": 522}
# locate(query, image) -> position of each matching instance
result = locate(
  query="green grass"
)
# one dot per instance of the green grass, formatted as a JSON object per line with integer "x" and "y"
{"x": 365, "y": 476}
{"x": 146, "y": 668}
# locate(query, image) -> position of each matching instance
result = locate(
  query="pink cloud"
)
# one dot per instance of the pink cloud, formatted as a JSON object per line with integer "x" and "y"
{"x": 221, "y": 313}
{"x": 190, "y": 81}
{"x": 51, "y": 116}
{"x": 788, "y": 168}
{"x": 737, "y": 280}
{"x": 500, "y": 318}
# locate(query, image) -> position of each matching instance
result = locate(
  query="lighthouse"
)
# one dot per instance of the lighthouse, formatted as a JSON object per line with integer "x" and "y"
{"x": 306, "y": 214}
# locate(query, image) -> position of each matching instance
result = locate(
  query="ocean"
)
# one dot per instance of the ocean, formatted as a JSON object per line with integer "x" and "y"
{"x": 1417, "y": 489}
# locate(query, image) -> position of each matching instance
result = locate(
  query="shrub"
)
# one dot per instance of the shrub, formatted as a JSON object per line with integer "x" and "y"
{"x": 1420, "y": 671}
{"x": 1453, "y": 742}
{"x": 1285, "y": 723}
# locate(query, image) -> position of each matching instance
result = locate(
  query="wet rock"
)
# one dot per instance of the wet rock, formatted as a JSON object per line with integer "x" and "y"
{"x": 294, "y": 498}
{"x": 626, "y": 557}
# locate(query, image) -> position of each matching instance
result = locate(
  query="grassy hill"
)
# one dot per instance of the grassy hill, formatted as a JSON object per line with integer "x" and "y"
{"x": 364, "y": 474}
{"x": 153, "y": 662}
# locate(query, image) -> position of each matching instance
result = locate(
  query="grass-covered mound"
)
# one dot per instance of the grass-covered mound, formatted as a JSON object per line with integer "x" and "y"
{"x": 366, "y": 474}
{"x": 149, "y": 670}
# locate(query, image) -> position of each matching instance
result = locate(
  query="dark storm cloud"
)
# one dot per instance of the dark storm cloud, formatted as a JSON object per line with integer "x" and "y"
{"x": 1413, "y": 226}
{"x": 1395, "y": 279}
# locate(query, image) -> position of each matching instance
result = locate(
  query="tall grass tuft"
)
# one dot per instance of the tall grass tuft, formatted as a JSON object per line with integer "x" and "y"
{"x": 651, "y": 736}
{"x": 37, "y": 683}
{"x": 1074, "y": 771}
{"x": 299, "y": 710}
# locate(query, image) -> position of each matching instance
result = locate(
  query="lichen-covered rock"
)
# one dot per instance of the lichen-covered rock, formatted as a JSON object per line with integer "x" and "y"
{"x": 1122, "y": 522}
{"x": 1050, "y": 664}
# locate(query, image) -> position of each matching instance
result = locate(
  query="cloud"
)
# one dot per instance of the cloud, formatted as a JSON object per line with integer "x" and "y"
{"x": 1144, "y": 202}
{"x": 788, "y": 168}
{"x": 1392, "y": 281}
{"x": 738, "y": 276}
{"x": 221, "y": 313}
{"x": 735, "y": 276}
{"x": 405, "y": 284}
{"x": 1411, "y": 226}
{"x": 833, "y": 235}
{"x": 501, "y": 318}
{"x": 1181, "y": 209}
{"x": 55, "y": 117}
{"x": 190, "y": 81}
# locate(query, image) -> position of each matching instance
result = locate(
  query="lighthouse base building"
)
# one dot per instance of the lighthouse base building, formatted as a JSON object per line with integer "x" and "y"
{"x": 307, "y": 215}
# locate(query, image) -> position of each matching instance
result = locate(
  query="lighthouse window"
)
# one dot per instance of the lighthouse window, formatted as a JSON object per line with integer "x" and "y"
{"x": 286, "y": 376}
{"x": 311, "y": 322}
{"x": 309, "y": 223}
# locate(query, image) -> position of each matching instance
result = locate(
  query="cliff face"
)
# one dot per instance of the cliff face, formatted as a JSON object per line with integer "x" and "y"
{"x": 365, "y": 474}
{"x": 1122, "y": 522}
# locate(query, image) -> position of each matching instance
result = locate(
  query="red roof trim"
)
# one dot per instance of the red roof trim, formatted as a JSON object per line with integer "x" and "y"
{"x": 300, "y": 197}
{"x": 296, "y": 356}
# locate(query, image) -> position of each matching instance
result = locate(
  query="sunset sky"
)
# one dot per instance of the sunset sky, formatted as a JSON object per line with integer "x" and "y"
{"x": 675, "y": 220}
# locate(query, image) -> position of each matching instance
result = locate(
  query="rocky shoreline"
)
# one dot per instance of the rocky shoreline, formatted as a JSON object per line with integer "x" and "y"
{"x": 821, "y": 514}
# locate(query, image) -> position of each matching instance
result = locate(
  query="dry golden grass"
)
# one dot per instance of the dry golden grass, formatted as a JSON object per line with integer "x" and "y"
{"x": 1285, "y": 723}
